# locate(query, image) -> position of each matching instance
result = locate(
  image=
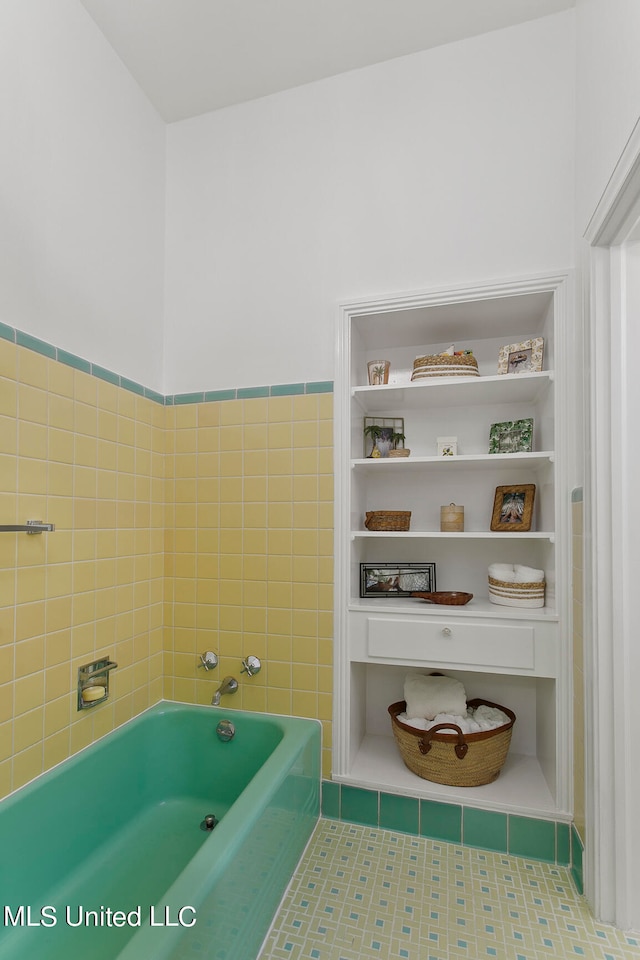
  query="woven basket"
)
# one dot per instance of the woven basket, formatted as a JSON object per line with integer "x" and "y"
{"x": 444, "y": 365}
{"x": 456, "y": 759}
{"x": 387, "y": 519}
{"x": 516, "y": 594}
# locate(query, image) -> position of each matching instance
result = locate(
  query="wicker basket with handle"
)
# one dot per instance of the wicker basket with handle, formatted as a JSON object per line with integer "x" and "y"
{"x": 454, "y": 758}
{"x": 387, "y": 519}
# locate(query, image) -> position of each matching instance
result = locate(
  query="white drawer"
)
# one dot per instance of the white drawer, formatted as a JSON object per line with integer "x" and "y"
{"x": 504, "y": 646}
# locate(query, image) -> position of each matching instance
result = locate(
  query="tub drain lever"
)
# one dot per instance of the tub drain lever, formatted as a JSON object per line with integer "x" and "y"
{"x": 209, "y": 822}
{"x": 226, "y": 731}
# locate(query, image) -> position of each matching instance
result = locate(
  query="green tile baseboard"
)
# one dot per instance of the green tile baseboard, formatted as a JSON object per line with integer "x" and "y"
{"x": 534, "y": 838}
{"x": 577, "y": 855}
{"x": 16, "y": 336}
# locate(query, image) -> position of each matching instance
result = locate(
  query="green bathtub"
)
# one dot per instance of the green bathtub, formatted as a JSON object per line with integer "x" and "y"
{"x": 104, "y": 856}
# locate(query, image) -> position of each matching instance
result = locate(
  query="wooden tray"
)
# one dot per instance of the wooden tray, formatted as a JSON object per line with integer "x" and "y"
{"x": 448, "y": 597}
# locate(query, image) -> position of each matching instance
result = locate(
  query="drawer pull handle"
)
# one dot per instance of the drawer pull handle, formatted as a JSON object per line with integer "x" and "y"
{"x": 446, "y": 632}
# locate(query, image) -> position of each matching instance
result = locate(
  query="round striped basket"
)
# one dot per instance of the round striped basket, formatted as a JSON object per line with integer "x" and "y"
{"x": 516, "y": 594}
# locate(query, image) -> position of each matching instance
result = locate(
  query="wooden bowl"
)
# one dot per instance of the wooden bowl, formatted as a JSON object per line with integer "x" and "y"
{"x": 448, "y": 597}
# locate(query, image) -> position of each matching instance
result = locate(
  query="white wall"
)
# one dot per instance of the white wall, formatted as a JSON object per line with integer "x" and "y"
{"x": 81, "y": 192}
{"x": 608, "y": 105}
{"x": 452, "y": 165}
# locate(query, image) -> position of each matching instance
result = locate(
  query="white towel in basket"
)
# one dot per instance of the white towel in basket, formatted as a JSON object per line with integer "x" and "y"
{"x": 473, "y": 721}
{"x": 427, "y": 696}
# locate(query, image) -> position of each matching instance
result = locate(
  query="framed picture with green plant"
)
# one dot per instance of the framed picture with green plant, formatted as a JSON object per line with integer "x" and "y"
{"x": 512, "y": 436}
{"x": 382, "y": 435}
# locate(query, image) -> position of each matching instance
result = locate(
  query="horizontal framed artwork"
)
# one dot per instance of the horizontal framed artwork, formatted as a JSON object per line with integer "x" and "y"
{"x": 512, "y": 436}
{"x": 396, "y": 579}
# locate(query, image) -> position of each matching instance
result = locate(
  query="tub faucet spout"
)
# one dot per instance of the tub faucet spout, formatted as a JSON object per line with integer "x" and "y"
{"x": 228, "y": 685}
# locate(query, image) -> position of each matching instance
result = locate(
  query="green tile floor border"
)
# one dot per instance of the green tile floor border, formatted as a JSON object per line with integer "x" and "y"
{"x": 205, "y": 396}
{"x": 534, "y": 838}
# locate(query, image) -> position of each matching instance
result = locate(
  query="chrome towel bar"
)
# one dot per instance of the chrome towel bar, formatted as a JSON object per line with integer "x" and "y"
{"x": 31, "y": 527}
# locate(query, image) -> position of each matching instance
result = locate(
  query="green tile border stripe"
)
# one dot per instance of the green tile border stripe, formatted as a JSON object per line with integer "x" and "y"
{"x": 16, "y": 336}
{"x": 534, "y": 838}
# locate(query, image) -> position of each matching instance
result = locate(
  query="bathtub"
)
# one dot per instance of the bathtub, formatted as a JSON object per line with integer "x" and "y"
{"x": 104, "y": 855}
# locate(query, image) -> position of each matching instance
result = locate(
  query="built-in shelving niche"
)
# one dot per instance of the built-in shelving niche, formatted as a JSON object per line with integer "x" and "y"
{"x": 533, "y": 677}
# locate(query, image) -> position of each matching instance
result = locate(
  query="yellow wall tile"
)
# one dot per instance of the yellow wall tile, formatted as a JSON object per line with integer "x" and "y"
{"x": 208, "y": 414}
{"x": 8, "y": 435}
{"x": 280, "y": 409}
{"x": 279, "y": 622}
{"x": 26, "y": 765}
{"x": 305, "y": 488}
{"x": 32, "y": 404}
{"x": 279, "y": 701}
{"x": 28, "y": 693}
{"x": 254, "y": 515}
{"x": 30, "y": 620}
{"x": 27, "y": 729}
{"x": 60, "y": 380}
{"x": 178, "y": 528}
{"x": 231, "y": 464}
{"x": 306, "y": 433}
{"x": 6, "y": 741}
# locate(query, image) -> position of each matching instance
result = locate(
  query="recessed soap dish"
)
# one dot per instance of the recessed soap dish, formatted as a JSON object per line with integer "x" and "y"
{"x": 93, "y": 683}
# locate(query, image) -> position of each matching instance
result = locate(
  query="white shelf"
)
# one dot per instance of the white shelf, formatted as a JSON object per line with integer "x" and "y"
{"x": 479, "y": 607}
{"x": 438, "y": 535}
{"x": 454, "y": 392}
{"x": 476, "y": 461}
{"x": 521, "y": 787}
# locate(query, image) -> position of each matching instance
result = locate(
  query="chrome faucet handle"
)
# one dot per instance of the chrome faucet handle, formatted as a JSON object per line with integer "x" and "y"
{"x": 251, "y": 666}
{"x": 208, "y": 660}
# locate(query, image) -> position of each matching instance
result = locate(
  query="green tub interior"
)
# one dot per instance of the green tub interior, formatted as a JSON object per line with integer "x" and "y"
{"x": 117, "y": 829}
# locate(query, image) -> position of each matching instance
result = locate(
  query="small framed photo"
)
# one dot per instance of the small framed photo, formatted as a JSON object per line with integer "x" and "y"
{"x": 513, "y": 508}
{"x": 447, "y": 446}
{"x": 525, "y": 357}
{"x": 512, "y": 436}
{"x": 382, "y": 434}
{"x": 396, "y": 579}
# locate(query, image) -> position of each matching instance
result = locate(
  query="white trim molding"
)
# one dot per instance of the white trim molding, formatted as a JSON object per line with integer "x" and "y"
{"x": 612, "y": 531}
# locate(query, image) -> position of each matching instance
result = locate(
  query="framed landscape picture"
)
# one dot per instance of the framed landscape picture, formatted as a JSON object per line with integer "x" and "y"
{"x": 396, "y": 579}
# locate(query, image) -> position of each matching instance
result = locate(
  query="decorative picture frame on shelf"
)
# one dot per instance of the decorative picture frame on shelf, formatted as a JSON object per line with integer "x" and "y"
{"x": 381, "y": 435}
{"x": 512, "y": 436}
{"x": 396, "y": 579}
{"x": 447, "y": 446}
{"x": 525, "y": 357}
{"x": 513, "y": 508}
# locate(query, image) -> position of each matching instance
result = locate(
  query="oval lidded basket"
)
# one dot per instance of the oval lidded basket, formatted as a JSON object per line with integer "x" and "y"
{"x": 444, "y": 365}
{"x": 387, "y": 519}
{"x": 456, "y": 759}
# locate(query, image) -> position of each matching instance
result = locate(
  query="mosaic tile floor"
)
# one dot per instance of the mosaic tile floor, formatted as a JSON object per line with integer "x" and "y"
{"x": 370, "y": 894}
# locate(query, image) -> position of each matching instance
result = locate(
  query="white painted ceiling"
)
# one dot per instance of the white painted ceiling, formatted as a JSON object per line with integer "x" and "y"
{"x": 193, "y": 56}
